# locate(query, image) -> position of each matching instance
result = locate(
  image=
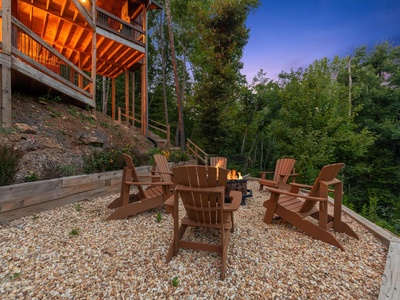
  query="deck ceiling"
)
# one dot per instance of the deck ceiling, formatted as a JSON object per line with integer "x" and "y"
{"x": 60, "y": 24}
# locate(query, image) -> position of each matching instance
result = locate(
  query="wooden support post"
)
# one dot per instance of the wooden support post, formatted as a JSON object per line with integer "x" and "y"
{"x": 143, "y": 98}
{"x": 113, "y": 89}
{"x": 94, "y": 56}
{"x": 133, "y": 99}
{"x": 143, "y": 94}
{"x": 5, "y": 72}
{"x": 127, "y": 95}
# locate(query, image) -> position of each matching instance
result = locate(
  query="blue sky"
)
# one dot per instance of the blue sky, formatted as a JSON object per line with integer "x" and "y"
{"x": 287, "y": 34}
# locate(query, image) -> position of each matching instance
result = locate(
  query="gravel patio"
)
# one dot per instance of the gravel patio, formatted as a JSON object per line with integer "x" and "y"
{"x": 72, "y": 252}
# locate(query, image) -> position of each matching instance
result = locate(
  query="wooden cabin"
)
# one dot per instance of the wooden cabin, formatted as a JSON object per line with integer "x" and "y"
{"x": 63, "y": 44}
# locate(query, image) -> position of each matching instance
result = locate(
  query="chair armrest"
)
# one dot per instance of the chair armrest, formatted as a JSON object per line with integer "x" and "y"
{"x": 290, "y": 174}
{"x": 236, "y": 199}
{"x": 266, "y": 172}
{"x": 216, "y": 190}
{"x": 148, "y": 176}
{"x": 300, "y": 185}
{"x": 270, "y": 183}
{"x": 160, "y": 172}
{"x": 284, "y": 192}
{"x": 149, "y": 183}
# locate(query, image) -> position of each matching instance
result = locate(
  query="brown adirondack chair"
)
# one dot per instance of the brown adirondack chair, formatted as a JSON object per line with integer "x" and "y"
{"x": 284, "y": 169}
{"x": 128, "y": 204}
{"x": 203, "y": 196}
{"x": 162, "y": 167}
{"x": 219, "y": 162}
{"x": 295, "y": 207}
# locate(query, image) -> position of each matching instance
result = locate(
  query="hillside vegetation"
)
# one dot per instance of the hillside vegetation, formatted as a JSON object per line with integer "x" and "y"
{"x": 55, "y": 137}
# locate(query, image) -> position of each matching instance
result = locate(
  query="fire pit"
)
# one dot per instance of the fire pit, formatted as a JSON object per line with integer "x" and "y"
{"x": 236, "y": 182}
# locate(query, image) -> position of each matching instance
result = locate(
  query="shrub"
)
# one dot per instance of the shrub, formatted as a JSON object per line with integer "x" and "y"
{"x": 9, "y": 161}
{"x": 171, "y": 155}
{"x": 110, "y": 160}
{"x": 31, "y": 177}
{"x": 53, "y": 170}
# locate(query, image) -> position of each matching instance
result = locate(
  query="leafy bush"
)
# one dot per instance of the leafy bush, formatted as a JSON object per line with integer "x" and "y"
{"x": 171, "y": 155}
{"x": 31, "y": 177}
{"x": 53, "y": 170}
{"x": 9, "y": 160}
{"x": 110, "y": 160}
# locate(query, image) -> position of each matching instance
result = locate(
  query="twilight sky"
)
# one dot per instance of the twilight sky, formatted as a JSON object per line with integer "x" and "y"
{"x": 287, "y": 34}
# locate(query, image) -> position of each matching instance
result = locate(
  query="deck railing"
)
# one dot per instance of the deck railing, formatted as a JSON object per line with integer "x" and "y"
{"x": 118, "y": 26}
{"x": 31, "y": 49}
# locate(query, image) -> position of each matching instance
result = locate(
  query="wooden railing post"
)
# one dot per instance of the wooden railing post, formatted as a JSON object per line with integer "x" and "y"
{"x": 168, "y": 135}
{"x": 119, "y": 114}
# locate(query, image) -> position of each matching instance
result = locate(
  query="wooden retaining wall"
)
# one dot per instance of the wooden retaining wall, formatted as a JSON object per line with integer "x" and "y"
{"x": 24, "y": 199}
{"x": 29, "y": 198}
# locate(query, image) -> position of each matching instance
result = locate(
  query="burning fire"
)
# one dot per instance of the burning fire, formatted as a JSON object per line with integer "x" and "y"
{"x": 233, "y": 175}
{"x": 219, "y": 164}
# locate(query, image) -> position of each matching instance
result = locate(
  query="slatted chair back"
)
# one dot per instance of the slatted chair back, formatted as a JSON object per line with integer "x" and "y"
{"x": 130, "y": 170}
{"x": 163, "y": 168}
{"x": 218, "y": 161}
{"x": 283, "y": 168}
{"x": 202, "y": 206}
{"x": 328, "y": 173}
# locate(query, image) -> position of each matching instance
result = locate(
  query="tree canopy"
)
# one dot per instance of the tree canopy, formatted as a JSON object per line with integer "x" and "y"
{"x": 345, "y": 109}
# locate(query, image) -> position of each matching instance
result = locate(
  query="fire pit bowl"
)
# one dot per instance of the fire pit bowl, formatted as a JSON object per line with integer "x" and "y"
{"x": 238, "y": 185}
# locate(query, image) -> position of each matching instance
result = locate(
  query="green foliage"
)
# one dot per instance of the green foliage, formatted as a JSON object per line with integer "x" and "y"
{"x": 9, "y": 164}
{"x": 78, "y": 207}
{"x": 53, "y": 170}
{"x": 74, "y": 231}
{"x": 173, "y": 155}
{"x": 15, "y": 276}
{"x": 159, "y": 217}
{"x": 73, "y": 111}
{"x": 50, "y": 98}
{"x": 175, "y": 281}
{"x": 110, "y": 159}
{"x": 104, "y": 124}
{"x": 53, "y": 113}
{"x": 32, "y": 177}
{"x": 7, "y": 130}
{"x": 85, "y": 117}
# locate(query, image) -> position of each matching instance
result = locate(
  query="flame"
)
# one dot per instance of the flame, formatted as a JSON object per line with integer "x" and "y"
{"x": 218, "y": 165}
{"x": 233, "y": 175}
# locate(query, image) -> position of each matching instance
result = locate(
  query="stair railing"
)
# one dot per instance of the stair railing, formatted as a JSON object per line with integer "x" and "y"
{"x": 157, "y": 127}
{"x": 196, "y": 151}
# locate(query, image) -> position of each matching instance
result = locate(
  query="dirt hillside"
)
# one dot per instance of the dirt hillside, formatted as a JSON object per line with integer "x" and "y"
{"x": 51, "y": 132}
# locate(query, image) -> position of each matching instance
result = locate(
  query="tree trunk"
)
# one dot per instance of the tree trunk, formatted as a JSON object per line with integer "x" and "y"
{"x": 176, "y": 78}
{"x": 243, "y": 141}
{"x": 164, "y": 84}
{"x": 106, "y": 90}
{"x": 249, "y": 153}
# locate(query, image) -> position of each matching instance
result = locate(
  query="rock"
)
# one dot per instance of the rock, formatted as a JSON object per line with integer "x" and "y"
{"x": 25, "y": 128}
{"x": 91, "y": 140}
{"x": 48, "y": 143}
